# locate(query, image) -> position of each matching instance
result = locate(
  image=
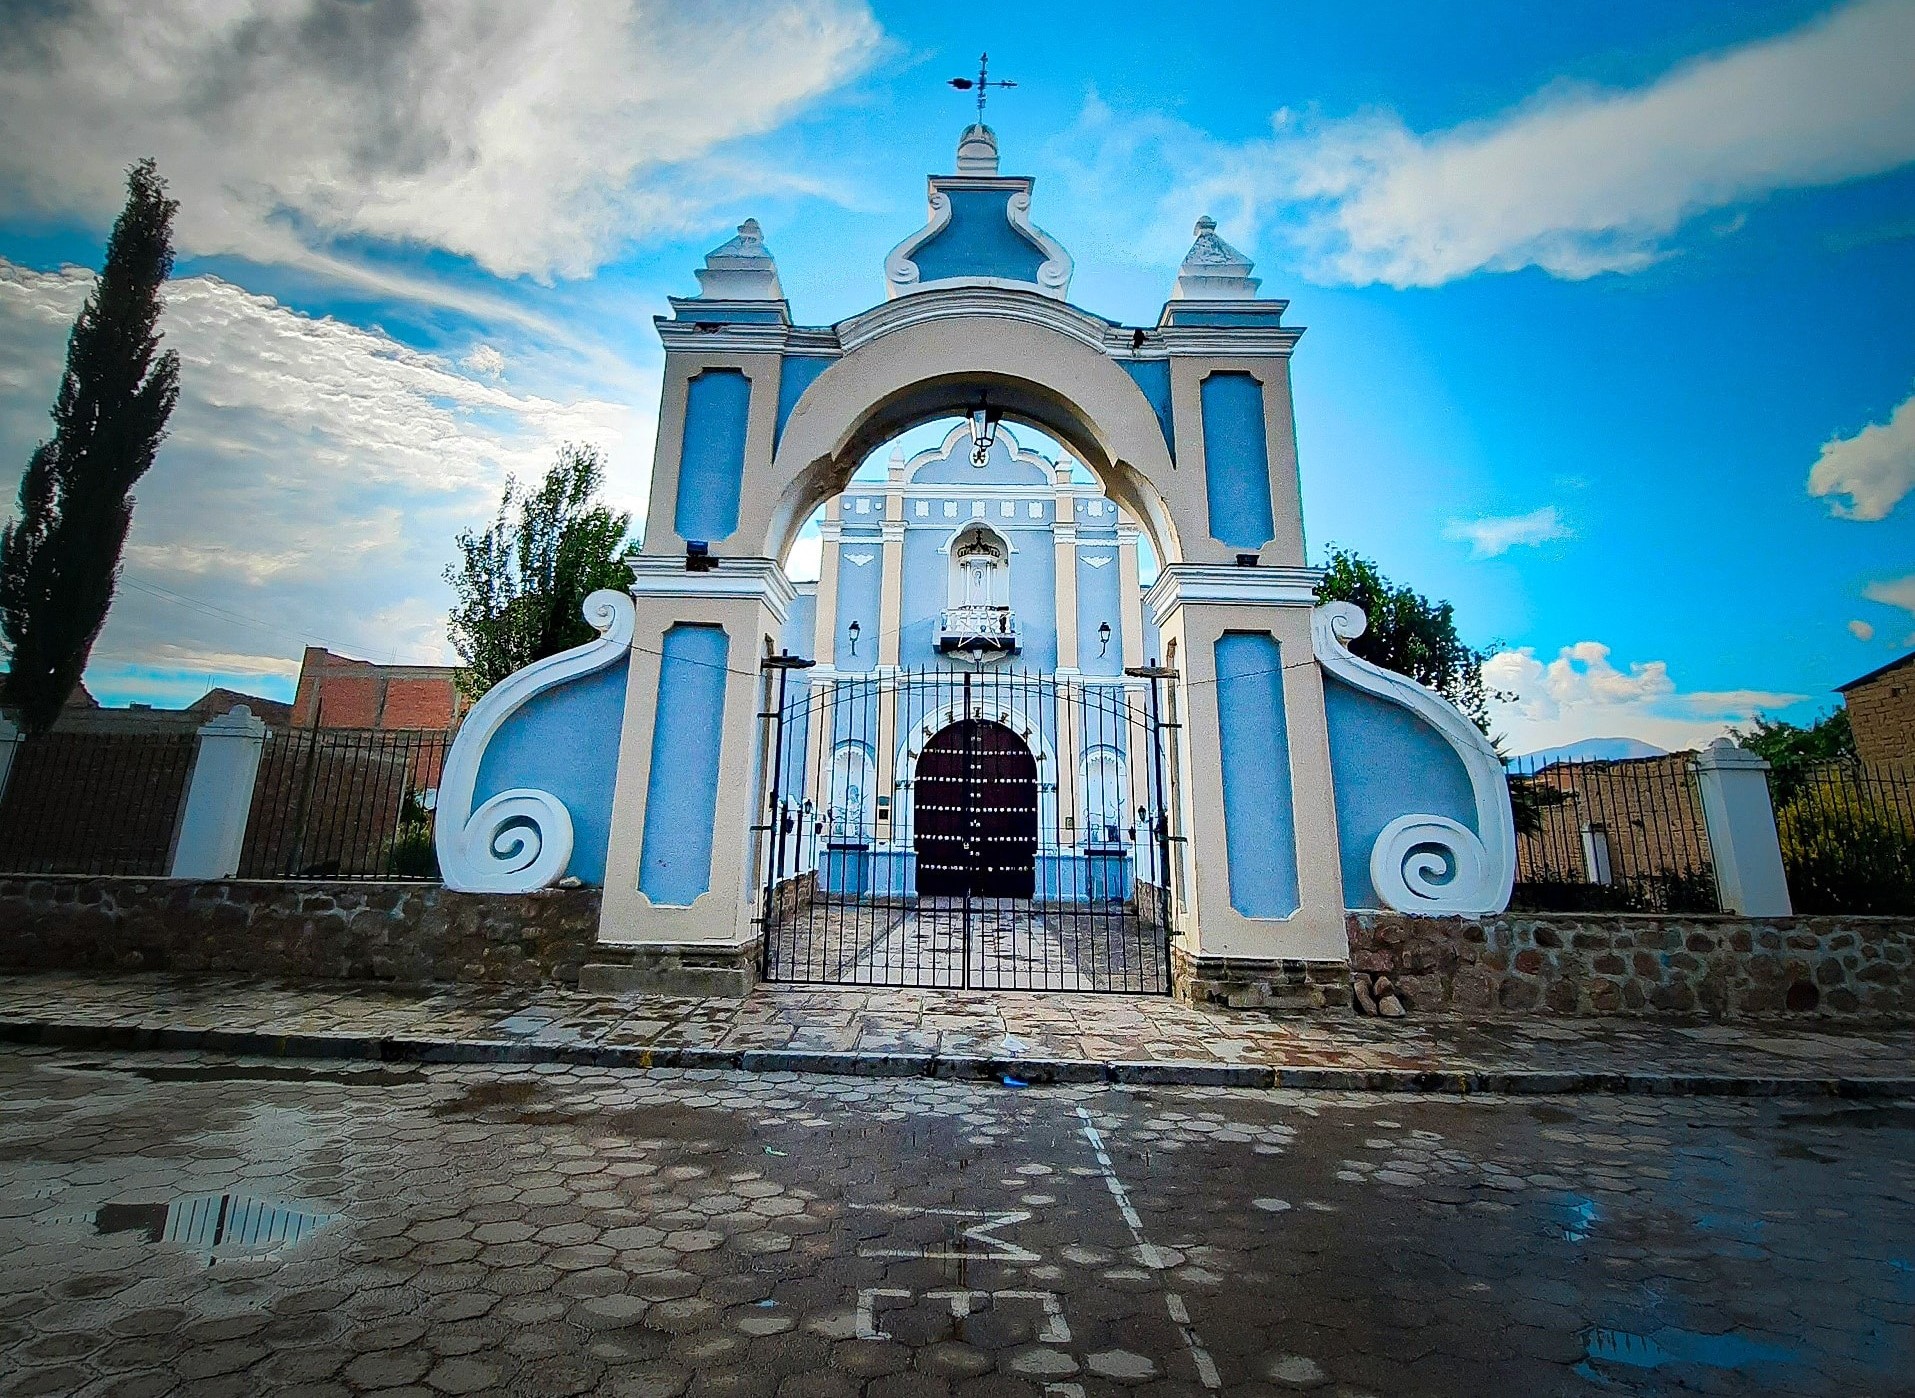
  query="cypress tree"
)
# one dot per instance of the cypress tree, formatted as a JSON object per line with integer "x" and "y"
{"x": 60, "y": 558}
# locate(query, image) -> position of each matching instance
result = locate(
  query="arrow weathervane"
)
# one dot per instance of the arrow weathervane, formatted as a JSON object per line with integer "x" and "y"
{"x": 981, "y": 82}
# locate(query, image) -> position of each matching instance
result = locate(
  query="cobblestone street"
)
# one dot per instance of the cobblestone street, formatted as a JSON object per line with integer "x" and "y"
{"x": 184, "y": 1223}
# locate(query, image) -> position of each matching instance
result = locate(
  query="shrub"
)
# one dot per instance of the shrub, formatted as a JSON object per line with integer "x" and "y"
{"x": 1847, "y": 854}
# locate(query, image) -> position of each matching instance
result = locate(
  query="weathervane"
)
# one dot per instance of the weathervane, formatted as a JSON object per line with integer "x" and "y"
{"x": 981, "y": 82}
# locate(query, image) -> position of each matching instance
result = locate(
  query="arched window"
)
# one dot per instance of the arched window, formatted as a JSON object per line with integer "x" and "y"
{"x": 851, "y": 807}
{"x": 980, "y": 572}
{"x": 1104, "y": 796}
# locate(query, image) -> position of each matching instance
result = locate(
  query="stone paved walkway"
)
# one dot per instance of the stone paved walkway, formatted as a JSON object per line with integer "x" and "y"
{"x": 955, "y": 1034}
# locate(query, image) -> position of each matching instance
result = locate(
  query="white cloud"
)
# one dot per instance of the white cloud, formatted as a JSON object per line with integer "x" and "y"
{"x": 1581, "y": 694}
{"x": 1875, "y": 468}
{"x": 311, "y": 485}
{"x": 1577, "y": 180}
{"x": 536, "y": 139}
{"x": 1496, "y": 535}
{"x": 1861, "y": 630}
{"x": 486, "y": 360}
{"x": 1893, "y": 592}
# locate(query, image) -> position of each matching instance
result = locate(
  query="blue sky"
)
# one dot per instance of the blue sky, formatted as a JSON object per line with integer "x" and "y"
{"x": 1610, "y": 304}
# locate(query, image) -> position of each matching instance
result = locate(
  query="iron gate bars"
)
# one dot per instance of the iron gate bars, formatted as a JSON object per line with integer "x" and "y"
{"x": 971, "y": 827}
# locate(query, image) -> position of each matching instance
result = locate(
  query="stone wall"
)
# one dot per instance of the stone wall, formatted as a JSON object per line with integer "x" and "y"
{"x": 1609, "y": 964}
{"x": 402, "y": 932}
{"x": 1881, "y": 711}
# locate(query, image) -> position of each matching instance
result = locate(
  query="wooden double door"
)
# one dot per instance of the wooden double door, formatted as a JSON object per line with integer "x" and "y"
{"x": 974, "y": 816}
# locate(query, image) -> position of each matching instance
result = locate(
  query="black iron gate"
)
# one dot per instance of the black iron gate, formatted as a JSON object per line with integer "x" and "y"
{"x": 967, "y": 827}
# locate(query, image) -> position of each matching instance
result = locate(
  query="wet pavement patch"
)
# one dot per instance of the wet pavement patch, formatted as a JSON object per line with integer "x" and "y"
{"x": 1670, "y": 1347}
{"x": 214, "y": 1227}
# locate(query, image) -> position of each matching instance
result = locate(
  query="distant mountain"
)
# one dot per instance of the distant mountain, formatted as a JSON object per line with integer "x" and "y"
{"x": 1593, "y": 750}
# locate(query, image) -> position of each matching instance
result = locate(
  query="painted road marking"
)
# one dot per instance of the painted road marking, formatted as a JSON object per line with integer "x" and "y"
{"x": 962, "y": 1302}
{"x": 1150, "y": 1256}
{"x": 996, "y": 1249}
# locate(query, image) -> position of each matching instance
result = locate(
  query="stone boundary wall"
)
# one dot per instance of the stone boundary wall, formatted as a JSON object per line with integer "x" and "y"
{"x": 1514, "y": 964}
{"x": 1626, "y": 964}
{"x": 412, "y": 933}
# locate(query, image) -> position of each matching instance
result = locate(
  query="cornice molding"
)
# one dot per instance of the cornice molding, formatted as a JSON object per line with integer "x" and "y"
{"x": 1227, "y": 585}
{"x": 749, "y": 579}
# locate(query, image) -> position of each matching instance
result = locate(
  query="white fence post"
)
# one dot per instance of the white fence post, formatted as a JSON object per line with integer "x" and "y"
{"x": 219, "y": 796}
{"x": 10, "y": 739}
{"x": 1750, "y": 879}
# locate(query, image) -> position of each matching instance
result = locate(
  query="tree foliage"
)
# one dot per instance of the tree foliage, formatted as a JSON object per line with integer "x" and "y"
{"x": 1792, "y": 751}
{"x": 522, "y": 584}
{"x": 60, "y": 558}
{"x": 1408, "y": 633}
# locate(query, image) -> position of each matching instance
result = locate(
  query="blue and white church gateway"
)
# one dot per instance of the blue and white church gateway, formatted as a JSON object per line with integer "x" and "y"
{"x": 1061, "y": 710}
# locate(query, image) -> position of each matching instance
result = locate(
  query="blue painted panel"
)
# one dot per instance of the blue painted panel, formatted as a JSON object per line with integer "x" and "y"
{"x": 1236, "y": 462}
{"x": 1097, "y": 593}
{"x": 925, "y": 589}
{"x": 711, "y": 467}
{"x": 858, "y": 588}
{"x": 1198, "y": 313}
{"x": 1386, "y": 762}
{"x": 1153, "y": 377}
{"x": 565, "y": 741}
{"x": 979, "y": 242}
{"x": 681, "y": 798}
{"x": 1259, "y": 811}
{"x": 797, "y": 373}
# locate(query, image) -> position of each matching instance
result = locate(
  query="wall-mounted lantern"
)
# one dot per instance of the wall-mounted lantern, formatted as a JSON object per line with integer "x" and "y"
{"x": 852, "y": 631}
{"x": 1103, "y": 637}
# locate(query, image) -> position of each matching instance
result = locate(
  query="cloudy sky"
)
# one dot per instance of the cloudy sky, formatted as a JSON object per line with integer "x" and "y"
{"x": 1610, "y": 304}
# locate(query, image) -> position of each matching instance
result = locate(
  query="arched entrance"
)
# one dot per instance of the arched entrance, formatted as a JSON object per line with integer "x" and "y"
{"x": 975, "y": 814}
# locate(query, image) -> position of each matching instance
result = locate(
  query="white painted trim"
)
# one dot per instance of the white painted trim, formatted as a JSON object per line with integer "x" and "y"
{"x": 966, "y": 300}
{"x": 754, "y": 579}
{"x": 1484, "y": 861}
{"x": 519, "y": 840}
{"x": 1229, "y": 585}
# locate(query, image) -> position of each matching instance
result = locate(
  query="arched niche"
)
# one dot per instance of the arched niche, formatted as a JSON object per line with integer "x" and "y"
{"x": 1043, "y": 371}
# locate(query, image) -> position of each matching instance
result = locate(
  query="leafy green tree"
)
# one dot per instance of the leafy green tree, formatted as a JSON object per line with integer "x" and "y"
{"x": 522, "y": 584}
{"x": 1408, "y": 633}
{"x": 60, "y": 558}
{"x": 1793, "y": 751}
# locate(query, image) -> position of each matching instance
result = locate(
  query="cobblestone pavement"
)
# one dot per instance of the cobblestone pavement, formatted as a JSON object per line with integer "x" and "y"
{"x": 179, "y": 1223}
{"x": 1065, "y": 1029}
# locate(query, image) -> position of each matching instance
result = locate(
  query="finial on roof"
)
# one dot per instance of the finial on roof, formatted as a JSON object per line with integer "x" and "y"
{"x": 977, "y": 151}
{"x": 740, "y": 269}
{"x": 1213, "y": 270}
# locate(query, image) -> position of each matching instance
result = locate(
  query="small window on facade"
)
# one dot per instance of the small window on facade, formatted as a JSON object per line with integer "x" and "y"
{"x": 950, "y": 509}
{"x": 1037, "y": 509}
{"x": 924, "y": 509}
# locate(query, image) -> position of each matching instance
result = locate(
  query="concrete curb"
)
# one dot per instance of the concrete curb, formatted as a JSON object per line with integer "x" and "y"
{"x": 1457, "y": 1081}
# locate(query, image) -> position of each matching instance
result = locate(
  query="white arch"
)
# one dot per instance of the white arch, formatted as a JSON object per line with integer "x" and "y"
{"x": 1012, "y": 716}
{"x": 927, "y": 356}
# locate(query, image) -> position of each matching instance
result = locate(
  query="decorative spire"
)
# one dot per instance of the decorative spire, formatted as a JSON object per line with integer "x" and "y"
{"x": 1213, "y": 270}
{"x": 740, "y": 269}
{"x": 977, "y": 151}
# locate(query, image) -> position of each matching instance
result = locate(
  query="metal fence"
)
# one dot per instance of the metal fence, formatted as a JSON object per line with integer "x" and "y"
{"x": 1621, "y": 836}
{"x": 1848, "y": 836}
{"x": 341, "y": 803}
{"x": 94, "y": 803}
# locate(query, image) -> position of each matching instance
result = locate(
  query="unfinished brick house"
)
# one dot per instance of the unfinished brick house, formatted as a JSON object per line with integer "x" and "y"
{"x": 1881, "y": 709}
{"x": 348, "y": 693}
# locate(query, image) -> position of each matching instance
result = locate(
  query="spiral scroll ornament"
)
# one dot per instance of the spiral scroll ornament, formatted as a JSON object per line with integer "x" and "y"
{"x": 1432, "y": 864}
{"x": 517, "y": 842}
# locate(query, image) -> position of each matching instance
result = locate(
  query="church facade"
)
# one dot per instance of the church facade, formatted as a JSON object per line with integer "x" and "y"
{"x": 1050, "y": 717}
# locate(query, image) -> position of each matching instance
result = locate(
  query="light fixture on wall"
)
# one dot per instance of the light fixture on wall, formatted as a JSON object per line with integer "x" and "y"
{"x": 1103, "y": 638}
{"x": 852, "y": 631}
{"x": 984, "y": 421}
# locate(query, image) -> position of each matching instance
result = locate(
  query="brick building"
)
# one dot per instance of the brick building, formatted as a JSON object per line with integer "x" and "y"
{"x": 1881, "y": 709}
{"x": 348, "y": 693}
